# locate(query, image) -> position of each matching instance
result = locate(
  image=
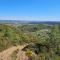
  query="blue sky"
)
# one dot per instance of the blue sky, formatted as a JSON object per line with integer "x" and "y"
{"x": 39, "y": 10}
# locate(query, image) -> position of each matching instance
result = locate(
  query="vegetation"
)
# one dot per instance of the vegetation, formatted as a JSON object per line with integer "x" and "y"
{"x": 44, "y": 40}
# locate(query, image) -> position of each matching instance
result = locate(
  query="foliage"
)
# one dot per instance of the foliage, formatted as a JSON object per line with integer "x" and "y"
{"x": 44, "y": 37}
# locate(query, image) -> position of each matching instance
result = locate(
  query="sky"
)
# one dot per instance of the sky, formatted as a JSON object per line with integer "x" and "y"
{"x": 33, "y": 10}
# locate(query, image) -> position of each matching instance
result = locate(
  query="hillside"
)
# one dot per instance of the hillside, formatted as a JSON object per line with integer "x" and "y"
{"x": 43, "y": 41}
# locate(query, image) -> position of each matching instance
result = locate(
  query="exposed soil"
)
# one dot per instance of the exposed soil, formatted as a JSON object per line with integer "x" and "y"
{"x": 5, "y": 55}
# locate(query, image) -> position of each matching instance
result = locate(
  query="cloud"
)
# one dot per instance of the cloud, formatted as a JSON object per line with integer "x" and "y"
{"x": 31, "y": 18}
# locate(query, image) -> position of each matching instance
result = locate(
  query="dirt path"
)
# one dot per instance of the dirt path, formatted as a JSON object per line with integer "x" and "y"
{"x": 6, "y": 53}
{"x": 21, "y": 55}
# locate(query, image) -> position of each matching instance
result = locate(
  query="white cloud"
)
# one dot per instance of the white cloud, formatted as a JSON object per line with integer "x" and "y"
{"x": 30, "y": 18}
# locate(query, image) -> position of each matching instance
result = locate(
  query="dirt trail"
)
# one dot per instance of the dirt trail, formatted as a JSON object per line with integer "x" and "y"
{"x": 6, "y": 53}
{"x": 21, "y": 55}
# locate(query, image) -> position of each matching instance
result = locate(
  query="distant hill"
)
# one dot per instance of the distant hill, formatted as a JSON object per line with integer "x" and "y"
{"x": 28, "y": 22}
{"x": 45, "y": 22}
{"x": 12, "y": 21}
